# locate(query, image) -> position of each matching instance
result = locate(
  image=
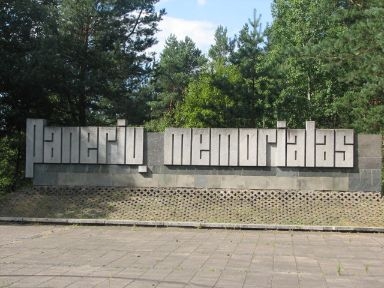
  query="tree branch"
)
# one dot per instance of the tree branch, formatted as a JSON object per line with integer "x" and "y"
{"x": 136, "y": 23}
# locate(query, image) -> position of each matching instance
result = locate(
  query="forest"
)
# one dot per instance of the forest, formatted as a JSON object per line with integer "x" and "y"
{"x": 87, "y": 62}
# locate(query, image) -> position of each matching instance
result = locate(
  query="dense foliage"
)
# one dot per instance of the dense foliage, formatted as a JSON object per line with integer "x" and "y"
{"x": 85, "y": 62}
{"x": 328, "y": 58}
{"x": 78, "y": 62}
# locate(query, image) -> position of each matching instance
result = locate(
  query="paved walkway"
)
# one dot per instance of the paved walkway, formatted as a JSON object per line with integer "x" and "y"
{"x": 90, "y": 256}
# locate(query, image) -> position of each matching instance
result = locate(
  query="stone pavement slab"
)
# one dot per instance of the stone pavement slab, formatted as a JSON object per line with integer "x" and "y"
{"x": 121, "y": 256}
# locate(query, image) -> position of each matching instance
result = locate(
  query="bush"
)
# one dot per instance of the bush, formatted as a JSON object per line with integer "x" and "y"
{"x": 11, "y": 163}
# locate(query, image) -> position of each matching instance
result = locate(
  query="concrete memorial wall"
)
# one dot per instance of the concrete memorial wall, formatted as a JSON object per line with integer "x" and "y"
{"x": 281, "y": 158}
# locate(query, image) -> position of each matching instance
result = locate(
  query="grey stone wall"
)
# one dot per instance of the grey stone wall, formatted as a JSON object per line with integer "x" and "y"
{"x": 365, "y": 176}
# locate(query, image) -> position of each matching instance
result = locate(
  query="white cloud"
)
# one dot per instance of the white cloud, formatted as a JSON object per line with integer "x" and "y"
{"x": 201, "y": 32}
{"x": 201, "y": 2}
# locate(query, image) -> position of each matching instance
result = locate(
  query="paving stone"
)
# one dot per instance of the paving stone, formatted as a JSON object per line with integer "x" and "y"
{"x": 285, "y": 280}
{"x": 338, "y": 281}
{"x": 110, "y": 256}
{"x": 259, "y": 279}
{"x": 113, "y": 283}
{"x": 6, "y": 281}
{"x": 86, "y": 282}
{"x": 312, "y": 282}
{"x": 170, "y": 285}
{"x": 142, "y": 284}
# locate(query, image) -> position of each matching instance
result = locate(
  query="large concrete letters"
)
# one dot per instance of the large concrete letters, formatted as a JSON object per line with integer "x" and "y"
{"x": 201, "y": 147}
{"x": 224, "y": 147}
{"x": 84, "y": 145}
{"x": 70, "y": 145}
{"x": 228, "y": 147}
{"x": 248, "y": 147}
{"x": 279, "y": 147}
{"x": 178, "y": 143}
{"x": 34, "y": 144}
{"x": 52, "y": 143}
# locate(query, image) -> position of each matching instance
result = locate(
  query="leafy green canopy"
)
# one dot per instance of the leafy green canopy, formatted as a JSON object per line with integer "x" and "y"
{"x": 78, "y": 62}
{"x": 328, "y": 56}
{"x": 75, "y": 61}
{"x": 233, "y": 89}
{"x": 180, "y": 63}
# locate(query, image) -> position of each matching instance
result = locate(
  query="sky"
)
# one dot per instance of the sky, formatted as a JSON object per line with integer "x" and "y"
{"x": 199, "y": 19}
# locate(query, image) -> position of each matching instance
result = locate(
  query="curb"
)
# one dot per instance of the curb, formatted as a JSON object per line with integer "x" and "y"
{"x": 239, "y": 226}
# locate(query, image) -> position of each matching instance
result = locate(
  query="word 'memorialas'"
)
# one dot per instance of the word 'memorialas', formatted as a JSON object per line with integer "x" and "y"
{"x": 279, "y": 147}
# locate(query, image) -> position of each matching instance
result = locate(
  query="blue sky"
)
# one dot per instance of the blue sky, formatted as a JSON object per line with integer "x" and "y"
{"x": 199, "y": 19}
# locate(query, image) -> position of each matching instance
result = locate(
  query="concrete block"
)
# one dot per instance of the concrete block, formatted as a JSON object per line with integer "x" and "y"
{"x": 88, "y": 145}
{"x": 323, "y": 183}
{"x": 154, "y": 146}
{"x": 70, "y": 145}
{"x": 134, "y": 180}
{"x": 143, "y": 169}
{"x": 201, "y": 181}
{"x": 273, "y": 182}
{"x": 131, "y": 180}
{"x": 78, "y": 168}
{"x": 310, "y": 183}
{"x": 370, "y": 162}
{"x": 185, "y": 181}
{"x": 34, "y": 144}
{"x": 376, "y": 180}
{"x": 328, "y": 183}
{"x": 256, "y": 182}
{"x": 363, "y": 181}
{"x": 106, "y": 135}
{"x": 224, "y": 147}
{"x": 201, "y": 143}
{"x": 286, "y": 172}
{"x": 156, "y": 169}
{"x": 98, "y": 179}
{"x": 323, "y": 172}
{"x": 283, "y": 183}
{"x": 167, "y": 180}
{"x": 177, "y": 146}
{"x": 366, "y": 183}
{"x": 354, "y": 182}
{"x": 72, "y": 179}
{"x": 325, "y": 148}
{"x": 176, "y": 170}
{"x": 215, "y": 181}
{"x": 226, "y": 182}
{"x": 266, "y": 149}
{"x": 195, "y": 170}
{"x": 369, "y": 145}
{"x": 310, "y": 132}
{"x": 340, "y": 183}
{"x": 43, "y": 168}
{"x": 296, "y": 148}
{"x": 281, "y": 124}
{"x": 52, "y": 144}
{"x": 91, "y": 168}
{"x": 116, "y": 149}
{"x": 134, "y": 153}
{"x": 43, "y": 175}
{"x": 121, "y": 123}
{"x": 344, "y": 148}
{"x": 281, "y": 146}
{"x": 168, "y": 145}
{"x": 259, "y": 171}
{"x": 225, "y": 170}
{"x": 248, "y": 147}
